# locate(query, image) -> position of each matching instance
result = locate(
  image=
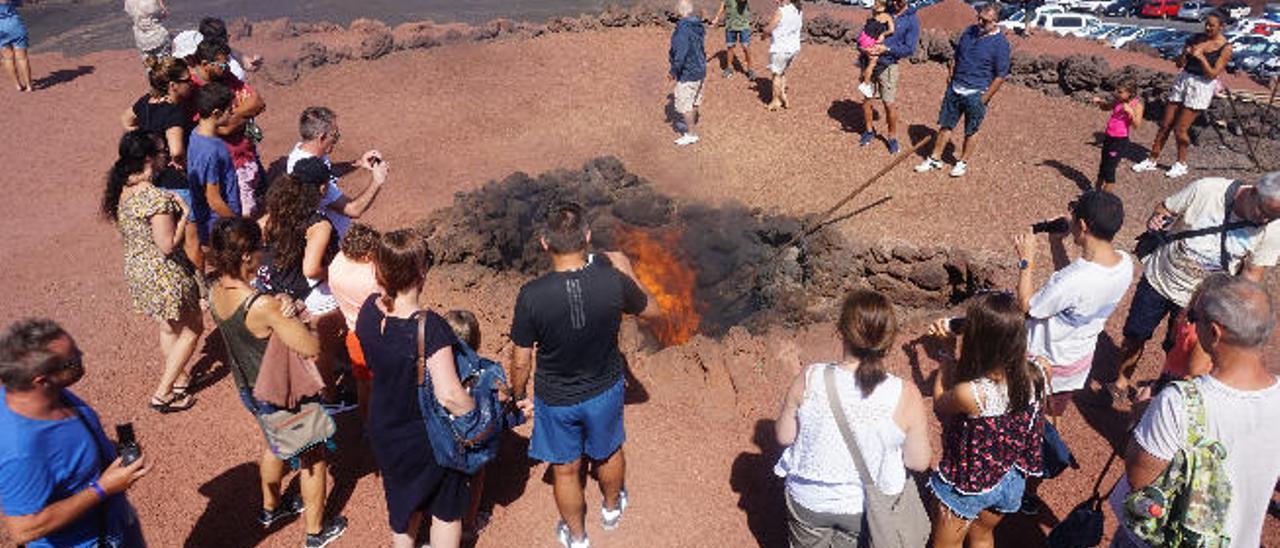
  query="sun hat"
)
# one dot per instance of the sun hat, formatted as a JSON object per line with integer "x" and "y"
{"x": 184, "y": 44}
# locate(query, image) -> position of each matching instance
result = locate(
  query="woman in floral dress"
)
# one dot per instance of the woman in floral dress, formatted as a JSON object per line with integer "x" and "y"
{"x": 162, "y": 283}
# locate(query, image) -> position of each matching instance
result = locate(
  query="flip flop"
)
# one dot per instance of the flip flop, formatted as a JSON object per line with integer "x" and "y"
{"x": 165, "y": 407}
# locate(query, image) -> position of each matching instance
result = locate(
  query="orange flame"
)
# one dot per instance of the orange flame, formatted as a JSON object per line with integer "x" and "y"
{"x": 670, "y": 280}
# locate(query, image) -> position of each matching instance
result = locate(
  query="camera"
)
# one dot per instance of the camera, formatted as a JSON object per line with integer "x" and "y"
{"x": 129, "y": 450}
{"x": 1053, "y": 226}
{"x": 956, "y": 325}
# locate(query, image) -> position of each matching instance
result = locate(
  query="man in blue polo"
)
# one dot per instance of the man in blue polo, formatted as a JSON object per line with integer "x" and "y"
{"x": 980, "y": 66}
{"x": 897, "y": 46}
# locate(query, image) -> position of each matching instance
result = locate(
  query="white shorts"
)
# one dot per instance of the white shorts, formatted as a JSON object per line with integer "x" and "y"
{"x": 778, "y": 61}
{"x": 688, "y": 96}
{"x": 1194, "y": 92}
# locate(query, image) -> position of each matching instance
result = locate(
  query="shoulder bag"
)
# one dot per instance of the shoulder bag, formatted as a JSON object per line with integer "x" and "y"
{"x": 1151, "y": 240}
{"x": 893, "y": 521}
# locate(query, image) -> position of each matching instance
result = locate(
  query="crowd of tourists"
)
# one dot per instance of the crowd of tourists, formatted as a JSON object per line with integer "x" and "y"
{"x": 315, "y": 309}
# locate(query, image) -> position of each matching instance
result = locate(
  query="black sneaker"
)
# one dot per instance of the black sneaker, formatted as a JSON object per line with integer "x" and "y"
{"x": 331, "y": 531}
{"x": 290, "y": 505}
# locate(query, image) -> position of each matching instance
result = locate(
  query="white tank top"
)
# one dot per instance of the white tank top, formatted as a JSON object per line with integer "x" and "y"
{"x": 786, "y": 36}
{"x": 820, "y": 473}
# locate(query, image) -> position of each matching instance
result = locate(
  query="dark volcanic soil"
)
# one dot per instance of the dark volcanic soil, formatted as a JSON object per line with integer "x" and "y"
{"x": 451, "y": 119}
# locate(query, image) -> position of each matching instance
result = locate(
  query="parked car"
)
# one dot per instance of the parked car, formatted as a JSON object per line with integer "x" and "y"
{"x": 1068, "y": 24}
{"x": 1095, "y": 7}
{"x": 1195, "y": 10}
{"x": 1126, "y": 34}
{"x": 1271, "y": 11}
{"x": 1156, "y": 35}
{"x": 1236, "y": 10}
{"x": 1123, "y": 8}
{"x": 1161, "y": 8}
{"x": 1018, "y": 21}
{"x": 1250, "y": 60}
{"x": 1101, "y": 31}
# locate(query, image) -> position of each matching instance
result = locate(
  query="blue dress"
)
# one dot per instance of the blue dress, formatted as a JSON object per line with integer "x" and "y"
{"x": 411, "y": 479}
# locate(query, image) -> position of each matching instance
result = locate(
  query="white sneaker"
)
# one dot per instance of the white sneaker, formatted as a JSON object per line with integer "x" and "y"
{"x": 610, "y": 518}
{"x": 686, "y": 140}
{"x": 566, "y": 538}
{"x": 959, "y": 169}
{"x": 1178, "y": 169}
{"x": 929, "y": 164}
{"x": 1145, "y": 165}
{"x": 866, "y": 89}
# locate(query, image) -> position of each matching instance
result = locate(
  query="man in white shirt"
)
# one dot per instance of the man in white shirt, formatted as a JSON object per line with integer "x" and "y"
{"x": 1249, "y": 245}
{"x": 1065, "y": 316}
{"x": 318, "y": 127}
{"x": 1241, "y": 402}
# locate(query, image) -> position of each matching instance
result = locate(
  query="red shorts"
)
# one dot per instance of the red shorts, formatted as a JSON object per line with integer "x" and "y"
{"x": 359, "y": 369}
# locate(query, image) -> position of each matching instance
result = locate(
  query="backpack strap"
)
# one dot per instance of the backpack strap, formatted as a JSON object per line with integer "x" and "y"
{"x": 1193, "y": 401}
{"x": 422, "y": 346}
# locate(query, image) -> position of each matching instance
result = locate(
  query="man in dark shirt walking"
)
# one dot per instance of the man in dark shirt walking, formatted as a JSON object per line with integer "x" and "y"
{"x": 572, "y": 316}
{"x": 979, "y": 69}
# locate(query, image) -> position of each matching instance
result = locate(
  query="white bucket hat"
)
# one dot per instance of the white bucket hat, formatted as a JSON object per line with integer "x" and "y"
{"x": 184, "y": 44}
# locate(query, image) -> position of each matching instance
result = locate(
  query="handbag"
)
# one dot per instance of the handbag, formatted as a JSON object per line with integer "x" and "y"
{"x": 893, "y": 521}
{"x": 291, "y": 432}
{"x": 1082, "y": 528}
{"x": 467, "y": 442}
{"x": 1057, "y": 456}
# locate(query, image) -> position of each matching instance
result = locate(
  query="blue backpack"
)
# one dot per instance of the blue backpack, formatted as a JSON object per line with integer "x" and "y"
{"x": 468, "y": 442}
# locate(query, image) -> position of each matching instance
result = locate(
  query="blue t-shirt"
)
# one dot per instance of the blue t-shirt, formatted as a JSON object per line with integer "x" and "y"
{"x": 10, "y": 9}
{"x": 980, "y": 59}
{"x": 42, "y": 462}
{"x": 209, "y": 161}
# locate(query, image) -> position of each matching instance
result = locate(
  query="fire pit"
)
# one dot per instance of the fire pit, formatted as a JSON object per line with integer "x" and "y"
{"x": 709, "y": 268}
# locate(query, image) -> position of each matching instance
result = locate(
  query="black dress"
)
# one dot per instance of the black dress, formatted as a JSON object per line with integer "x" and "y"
{"x": 411, "y": 479}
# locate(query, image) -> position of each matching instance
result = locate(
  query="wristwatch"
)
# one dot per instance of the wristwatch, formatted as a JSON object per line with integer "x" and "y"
{"x": 1023, "y": 264}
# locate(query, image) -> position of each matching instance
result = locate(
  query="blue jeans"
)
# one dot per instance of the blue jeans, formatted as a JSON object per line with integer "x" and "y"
{"x": 732, "y": 37}
{"x": 563, "y": 433}
{"x": 970, "y": 106}
{"x": 1005, "y": 497}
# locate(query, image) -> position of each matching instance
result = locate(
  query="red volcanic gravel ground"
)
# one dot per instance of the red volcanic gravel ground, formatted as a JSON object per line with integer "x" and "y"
{"x": 450, "y": 119}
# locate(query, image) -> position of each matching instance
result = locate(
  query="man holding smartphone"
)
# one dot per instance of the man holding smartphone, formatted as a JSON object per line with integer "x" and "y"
{"x": 60, "y": 481}
{"x": 318, "y": 127}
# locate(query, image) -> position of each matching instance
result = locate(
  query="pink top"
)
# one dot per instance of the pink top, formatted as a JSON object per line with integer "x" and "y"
{"x": 351, "y": 284}
{"x": 1118, "y": 124}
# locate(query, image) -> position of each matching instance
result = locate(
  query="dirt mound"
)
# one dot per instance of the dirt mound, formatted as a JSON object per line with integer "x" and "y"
{"x": 752, "y": 268}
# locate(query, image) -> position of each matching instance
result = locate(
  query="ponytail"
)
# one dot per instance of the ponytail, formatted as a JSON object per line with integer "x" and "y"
{"x": 868, "y": 327}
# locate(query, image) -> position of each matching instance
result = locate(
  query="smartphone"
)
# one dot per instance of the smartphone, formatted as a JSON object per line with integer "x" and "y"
{"x": 127, "y": 444}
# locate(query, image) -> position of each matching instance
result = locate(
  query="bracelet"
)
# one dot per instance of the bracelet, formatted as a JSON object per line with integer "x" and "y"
{"x": 98, "y": 489}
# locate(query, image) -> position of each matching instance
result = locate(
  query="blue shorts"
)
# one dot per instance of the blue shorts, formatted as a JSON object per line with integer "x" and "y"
{"x": 1146, "y": 312}
{"x": 13, "y": 32}
{"x": 732, "y": 37}
{"x": 1005, "y": 497}
{"x": 562, "y": 434}
{"x": 954, "y": 105}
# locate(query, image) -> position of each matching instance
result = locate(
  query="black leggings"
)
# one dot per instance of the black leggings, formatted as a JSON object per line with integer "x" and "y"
{"x": 1112, "y": 149}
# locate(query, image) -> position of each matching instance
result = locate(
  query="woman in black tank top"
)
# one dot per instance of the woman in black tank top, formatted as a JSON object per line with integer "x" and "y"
{"x": 1203, "y": 58}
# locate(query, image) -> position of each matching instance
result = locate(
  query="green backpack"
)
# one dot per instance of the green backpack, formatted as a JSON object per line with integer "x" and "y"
{"x": 1186, "y": 506}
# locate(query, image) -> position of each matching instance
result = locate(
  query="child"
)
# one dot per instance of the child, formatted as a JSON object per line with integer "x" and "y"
{"x": 1126, "y": 114}
{"x": 467, "y": 328}
{"x": 211, "y": 175}
{"x": 878, "y": 26}
{"x": 351, "y": 280}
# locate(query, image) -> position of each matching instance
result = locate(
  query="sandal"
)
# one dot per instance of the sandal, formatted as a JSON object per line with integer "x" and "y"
{"x": 172, "y": 404}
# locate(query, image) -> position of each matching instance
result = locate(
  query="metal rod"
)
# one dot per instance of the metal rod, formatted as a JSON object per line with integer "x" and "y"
{"x": 1244, "y": 132}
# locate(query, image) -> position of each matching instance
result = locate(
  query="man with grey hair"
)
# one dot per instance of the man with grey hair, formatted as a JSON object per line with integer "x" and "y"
{"x": 61, "y": 483}
{"x": 1215, "y": 225}
{"x": 688, "y": 59}
{"x": 1234, "y": 319}
{"x": 318, "y": 127}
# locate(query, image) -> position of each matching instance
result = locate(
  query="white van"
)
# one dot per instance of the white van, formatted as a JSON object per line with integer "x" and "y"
{"x": 1067, "y": 24}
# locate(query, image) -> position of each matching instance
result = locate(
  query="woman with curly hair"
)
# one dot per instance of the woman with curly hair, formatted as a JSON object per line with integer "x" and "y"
{"x": 153, "y": 223}
{"x": 300, "y": 240}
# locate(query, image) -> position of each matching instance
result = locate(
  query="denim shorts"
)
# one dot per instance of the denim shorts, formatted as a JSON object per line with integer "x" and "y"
{"x": 732, "y": 37}
{"x": 562, "y": 434}
{"x": 954, "y": 105}
{"x": 13, "y": 32}
{"x": 1005, "y": 497}
{"x": 1146, "y": 312}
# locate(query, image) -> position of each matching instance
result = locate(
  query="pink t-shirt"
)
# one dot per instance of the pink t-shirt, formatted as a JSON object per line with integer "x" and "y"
{"x": 1118, "y": 124}
{"x": 351, "y": 284}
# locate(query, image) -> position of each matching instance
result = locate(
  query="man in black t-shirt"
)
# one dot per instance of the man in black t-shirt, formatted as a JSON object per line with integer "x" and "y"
{"x": 572, "y": 316}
